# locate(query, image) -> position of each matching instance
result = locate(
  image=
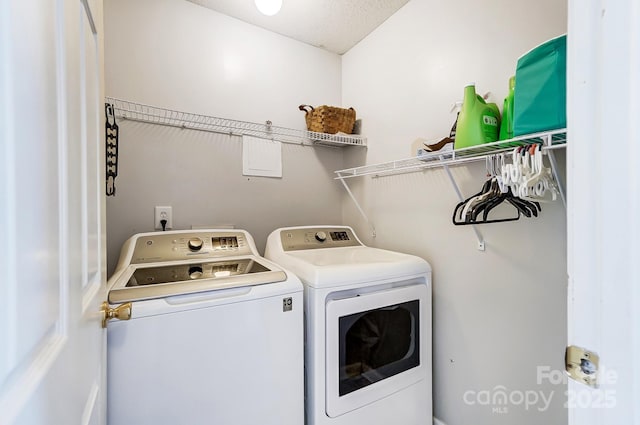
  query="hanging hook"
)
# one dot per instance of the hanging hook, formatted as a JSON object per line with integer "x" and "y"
{"x": 111, "y": 149}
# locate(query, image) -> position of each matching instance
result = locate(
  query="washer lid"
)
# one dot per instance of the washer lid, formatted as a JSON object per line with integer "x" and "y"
{"x": 339, "y": 266}
{"x": 144, "y": 282}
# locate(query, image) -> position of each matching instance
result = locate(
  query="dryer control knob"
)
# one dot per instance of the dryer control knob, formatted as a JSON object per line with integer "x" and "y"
{"x": 321, "y": 236}
{"x": 195, "y": 272}
{"x": 195, "y": 244}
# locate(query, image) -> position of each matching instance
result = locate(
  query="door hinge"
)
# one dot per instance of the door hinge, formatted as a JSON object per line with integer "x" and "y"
{"x": 582, "y": 365}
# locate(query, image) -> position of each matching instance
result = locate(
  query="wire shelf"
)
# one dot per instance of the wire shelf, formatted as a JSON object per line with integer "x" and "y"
{"x": 154, "y": 115}
{"x": 548, "y": 140}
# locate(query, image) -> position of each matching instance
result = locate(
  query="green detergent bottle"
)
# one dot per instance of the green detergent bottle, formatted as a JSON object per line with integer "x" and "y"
{"x": 478, "y": 121}
{"x": 506, "y": 126}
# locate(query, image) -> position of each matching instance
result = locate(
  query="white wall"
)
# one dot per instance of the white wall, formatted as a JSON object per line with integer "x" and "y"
{"x": 498, "y": 314}
{"x": 178, "y": 55}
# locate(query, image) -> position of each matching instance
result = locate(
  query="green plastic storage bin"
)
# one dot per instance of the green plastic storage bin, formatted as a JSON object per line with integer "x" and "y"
{"x": 540, "y": 99}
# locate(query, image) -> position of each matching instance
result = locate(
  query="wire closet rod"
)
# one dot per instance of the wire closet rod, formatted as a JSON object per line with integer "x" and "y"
{"x": 161, "y": 116}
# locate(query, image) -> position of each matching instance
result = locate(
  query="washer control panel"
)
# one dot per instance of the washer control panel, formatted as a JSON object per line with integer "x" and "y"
{"x": 317, "y": 237}
{"x": 179, "y": 272}
{"x": 173, "y": 247}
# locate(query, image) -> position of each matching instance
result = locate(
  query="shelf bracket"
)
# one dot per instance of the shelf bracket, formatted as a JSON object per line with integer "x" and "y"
{"x": 480, "y": 246}
{"x": 556, "y": 175}
{"x": 355, "y": 201}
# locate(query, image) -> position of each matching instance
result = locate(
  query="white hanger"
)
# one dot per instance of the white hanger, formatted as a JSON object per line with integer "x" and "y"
{"x": 534, "y": 186}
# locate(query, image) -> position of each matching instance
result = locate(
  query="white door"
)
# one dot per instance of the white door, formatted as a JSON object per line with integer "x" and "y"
{"x": 52, "y": 268}
{"x": 603, "y": 170}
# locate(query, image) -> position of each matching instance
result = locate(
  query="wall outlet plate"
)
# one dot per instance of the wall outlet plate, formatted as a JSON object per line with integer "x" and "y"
{"x": 163, "y": 213}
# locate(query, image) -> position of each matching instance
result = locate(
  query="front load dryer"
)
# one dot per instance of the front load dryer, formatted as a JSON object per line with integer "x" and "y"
{"x": 367, "y": 327}
{"x": 215, "y": 334}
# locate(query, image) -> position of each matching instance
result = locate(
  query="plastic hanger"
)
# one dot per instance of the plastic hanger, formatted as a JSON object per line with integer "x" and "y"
{"x": 467, "y": 211}
{"x": 541, "y": 181}
{"x": 526, "y": 208}
{"x": 504, "y": 185}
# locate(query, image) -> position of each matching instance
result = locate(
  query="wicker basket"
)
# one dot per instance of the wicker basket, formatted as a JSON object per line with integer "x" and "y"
{"x": 329, "y": 119}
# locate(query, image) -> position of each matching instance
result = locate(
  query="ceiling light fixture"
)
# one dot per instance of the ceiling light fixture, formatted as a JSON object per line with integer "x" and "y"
{"x": 269, "y": 7}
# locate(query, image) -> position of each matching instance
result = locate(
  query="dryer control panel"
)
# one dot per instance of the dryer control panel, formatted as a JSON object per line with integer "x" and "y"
{"x": 317, "y": 237}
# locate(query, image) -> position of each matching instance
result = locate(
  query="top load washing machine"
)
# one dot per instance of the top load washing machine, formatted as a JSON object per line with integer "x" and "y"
{"x": 215, "y": 334}
{"x": 367, "y": 327}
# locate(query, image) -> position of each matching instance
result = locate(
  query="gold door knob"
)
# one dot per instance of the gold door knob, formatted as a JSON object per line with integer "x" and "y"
{"x": 121, "y": 312}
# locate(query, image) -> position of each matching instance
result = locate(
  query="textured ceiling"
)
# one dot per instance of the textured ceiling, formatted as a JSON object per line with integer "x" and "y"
{"x": 334, "y": 25}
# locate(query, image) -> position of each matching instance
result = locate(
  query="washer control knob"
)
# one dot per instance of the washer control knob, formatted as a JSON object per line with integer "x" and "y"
{"x": 195, "y": 244}
{"x": 195, "y": 272}
{"x": 321, "y": 236}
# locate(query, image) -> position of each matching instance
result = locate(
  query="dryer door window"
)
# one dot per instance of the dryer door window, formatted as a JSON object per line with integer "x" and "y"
{"x": 375, "y": 345}
{"x": 378, "y": 344}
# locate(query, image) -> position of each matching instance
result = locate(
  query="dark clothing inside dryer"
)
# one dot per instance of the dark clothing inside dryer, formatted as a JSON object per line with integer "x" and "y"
{"x": 378, "y": 338}
{"x": 377, "y": 344}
